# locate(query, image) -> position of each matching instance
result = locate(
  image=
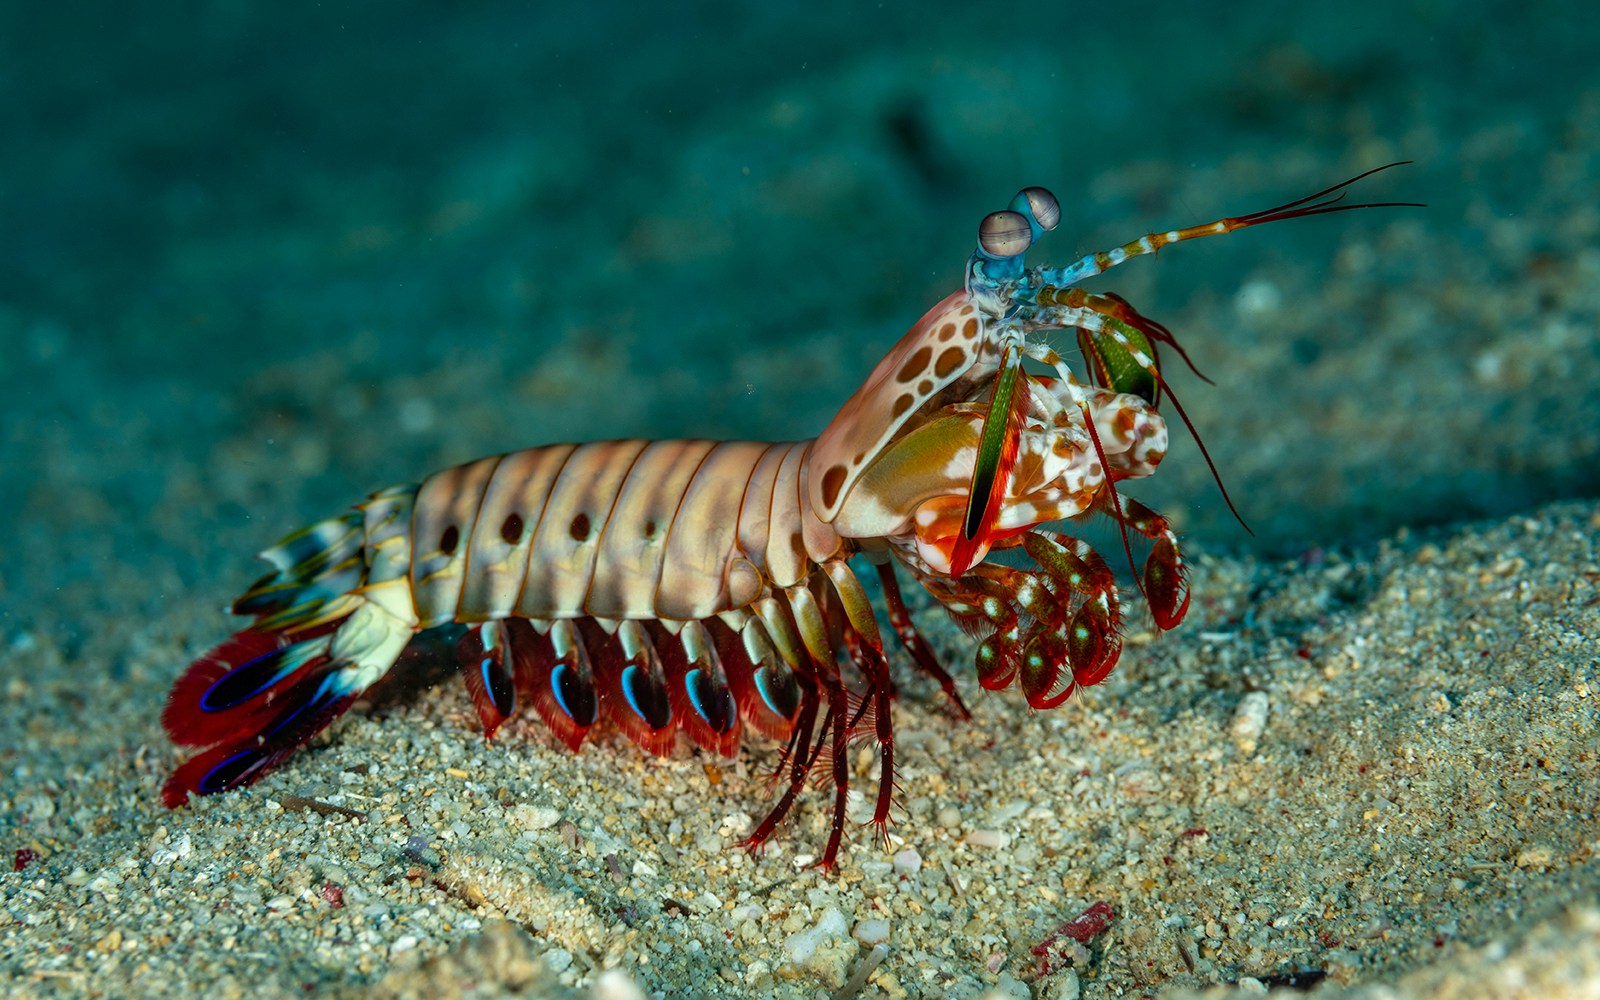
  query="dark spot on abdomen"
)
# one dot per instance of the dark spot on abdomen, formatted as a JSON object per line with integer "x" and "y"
{"x": 511, "y": 529}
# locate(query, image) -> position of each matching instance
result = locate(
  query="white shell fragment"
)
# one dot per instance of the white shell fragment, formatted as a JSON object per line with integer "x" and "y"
{"x": 1249, "y": 721}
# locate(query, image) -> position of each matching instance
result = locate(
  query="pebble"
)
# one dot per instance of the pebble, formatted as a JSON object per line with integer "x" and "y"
{"x": 106, "y": 880}
{"x": 802, "y": 945}
{"x": 615, "y": 985}
{"x": 988, "y": 839}
{"x": 558, "y": 959}
{"x": 1064, "y": 985}
{"x": 1249, "y": 720}
{"x": 532, "y": 817}
{"x": 872, "y": 931}
{"x": 175, "y": 851}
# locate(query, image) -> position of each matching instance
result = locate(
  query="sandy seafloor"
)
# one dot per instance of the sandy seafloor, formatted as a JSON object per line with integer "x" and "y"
{"x": 255, "y": 265}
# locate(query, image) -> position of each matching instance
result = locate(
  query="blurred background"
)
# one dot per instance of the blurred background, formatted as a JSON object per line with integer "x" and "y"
{"x": 259, "y": 260}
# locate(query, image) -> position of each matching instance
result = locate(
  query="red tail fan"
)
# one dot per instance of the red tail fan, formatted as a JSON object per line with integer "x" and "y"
{"x": 251, "y": 701}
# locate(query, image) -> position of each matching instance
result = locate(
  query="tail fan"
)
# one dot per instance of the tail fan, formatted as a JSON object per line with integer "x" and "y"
{"x": 316, "y": 570}
{"x": 252, "y": 700}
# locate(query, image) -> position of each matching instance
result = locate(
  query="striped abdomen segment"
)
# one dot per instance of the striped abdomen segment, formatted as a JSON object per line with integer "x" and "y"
{"x": 672, "y": 530}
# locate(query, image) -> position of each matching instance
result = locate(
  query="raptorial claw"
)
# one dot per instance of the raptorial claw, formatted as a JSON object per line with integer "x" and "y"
{"x": 997, "y": 453}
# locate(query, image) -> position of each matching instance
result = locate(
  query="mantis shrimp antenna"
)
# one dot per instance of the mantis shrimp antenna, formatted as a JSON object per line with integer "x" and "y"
{"x": 1324, "y": 202}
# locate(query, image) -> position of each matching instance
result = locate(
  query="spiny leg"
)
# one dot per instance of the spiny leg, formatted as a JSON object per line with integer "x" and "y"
{"x": 862, "y": 622}
{"x": 771, "y": 645}
{"x": 839, "y": 750}
{"x": 875, "y": 704}
{"x": 816, "y": 671}
{"x": 812, "y": 624}
{"x": 805, "y": 750}
{"x": 800, "y": 753}
{"x": 921, "y": 653}
{"x": 770, "y": 637}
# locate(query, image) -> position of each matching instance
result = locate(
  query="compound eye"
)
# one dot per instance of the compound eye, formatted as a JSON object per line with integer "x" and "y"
{"x": 1046, "y": 210}
{"x": 1004, "y": 234}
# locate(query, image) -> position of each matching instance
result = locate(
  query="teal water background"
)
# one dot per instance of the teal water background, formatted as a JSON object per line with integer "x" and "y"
{"x": 261, "y": 259}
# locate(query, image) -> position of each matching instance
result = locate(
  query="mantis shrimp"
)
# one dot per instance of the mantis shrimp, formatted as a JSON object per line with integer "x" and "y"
{"x": 702, "y": 587}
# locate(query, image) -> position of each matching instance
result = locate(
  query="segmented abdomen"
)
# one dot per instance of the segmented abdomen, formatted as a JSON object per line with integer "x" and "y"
{"x": 673, "y": 530}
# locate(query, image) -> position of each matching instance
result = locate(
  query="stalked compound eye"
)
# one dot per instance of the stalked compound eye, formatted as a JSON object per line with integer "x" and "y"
{"x": 1046, "y": 210}
{"x": 1004, "y": 234}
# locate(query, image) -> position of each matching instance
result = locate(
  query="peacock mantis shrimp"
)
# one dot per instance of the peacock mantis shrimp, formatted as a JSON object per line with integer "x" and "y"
{"x": 707, "y": 587}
